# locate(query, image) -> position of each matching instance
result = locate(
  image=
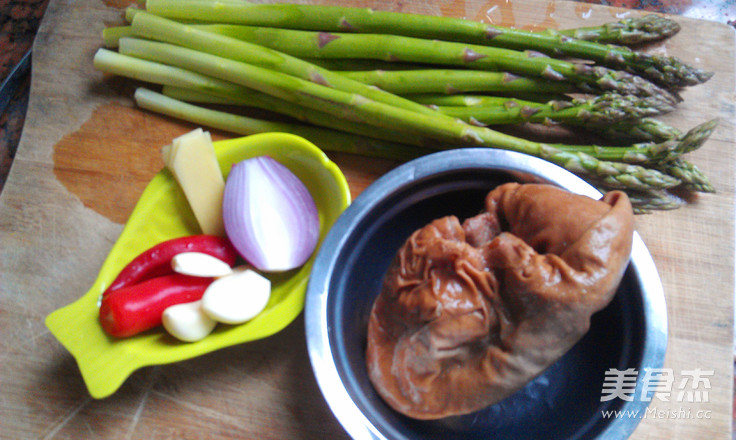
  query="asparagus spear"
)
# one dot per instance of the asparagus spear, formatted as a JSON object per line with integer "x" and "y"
{"x": 602, "y": 110}
{"x": 194, "y": 96}
{"x": 222, "y": 92}
{"x": 642, "y": 130}
{"x": 358, "y": 64}
{"x": 647, "y": 201}
{"x": 327, "y": 139}
{"x": 669, "y": 71}
{"x": 450, "y": 81}
{"x": 150, "y": 26}
{"x": 691, "y": 176}
{"x": 471, "y": 100}
{"x": 308, "y": 44}
{"x": 643, "y": 153}
{"x": 118, "y": 64}
{"x": 628, "y": 31}
{"x": 219, "y": 91}
{"x": 694, "y": 139}
{"x": 399, "y": 148}
{"x": 186, "y": 85}
{"x": 651, "y": 153}
{"x": 362, "y": 110}
{"x": 252, "y": 98}
{"x": 215, "y": 91}
{"x": 112, "y": 34}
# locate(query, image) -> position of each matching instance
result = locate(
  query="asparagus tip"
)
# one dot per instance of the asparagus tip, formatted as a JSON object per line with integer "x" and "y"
{"x": 696, "y": 137}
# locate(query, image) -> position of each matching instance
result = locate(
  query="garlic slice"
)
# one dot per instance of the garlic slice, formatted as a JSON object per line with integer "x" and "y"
{"x": 187, "y": 321}
{"x": 199, "y": 264}
{"x": 237, "y": 298}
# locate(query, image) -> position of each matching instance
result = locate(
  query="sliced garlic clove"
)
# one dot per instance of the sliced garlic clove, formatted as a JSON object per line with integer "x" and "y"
{"x": 188, "y": 322}
{"x": 237, "y": 298}
{"x": 199, "y": 264}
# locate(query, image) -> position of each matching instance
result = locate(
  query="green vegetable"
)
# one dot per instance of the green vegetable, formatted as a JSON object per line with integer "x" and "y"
{"x": 642, "y": 153}
{"x": 626, "y": 32}
{"x": 308, "y": 44}
{"x": 646, "y": 198}
{"x": 450, "y": 81}
{"x": 637, "y": 127}
{"x": 476, "y": 100}
{"x": 666, "y": 70}
{"x": 111, "y": 35}
{"x": 362, "y": 110}
{"x": 646, "y": 201}
{"x": 602, "y": 110}
{"x": 688, "y": 173}
{"x": 402, "y": 96}
{"x": 191, "y": 86}
{"x": 642, "y": 130}
{"x": 150, "y": 26}
{"x": 330, "y": 140}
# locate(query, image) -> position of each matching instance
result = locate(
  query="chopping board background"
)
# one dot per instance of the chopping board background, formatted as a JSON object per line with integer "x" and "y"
{"x": 86, "y": 154}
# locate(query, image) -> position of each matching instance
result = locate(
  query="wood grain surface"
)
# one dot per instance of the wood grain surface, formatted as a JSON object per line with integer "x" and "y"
{"x": 86, "y": 154}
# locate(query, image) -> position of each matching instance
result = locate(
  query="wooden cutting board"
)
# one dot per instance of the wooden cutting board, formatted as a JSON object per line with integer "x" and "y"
{"x": 86, "y": 154}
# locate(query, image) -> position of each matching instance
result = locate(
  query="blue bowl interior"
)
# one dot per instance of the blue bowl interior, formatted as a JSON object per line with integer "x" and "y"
{"x": 563, "y": 402}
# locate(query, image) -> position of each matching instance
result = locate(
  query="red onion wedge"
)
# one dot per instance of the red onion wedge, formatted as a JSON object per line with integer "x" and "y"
{"x": 269, "y": 215}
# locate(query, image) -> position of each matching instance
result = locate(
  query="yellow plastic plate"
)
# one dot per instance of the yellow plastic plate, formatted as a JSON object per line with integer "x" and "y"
{"x": 163, "y": 213}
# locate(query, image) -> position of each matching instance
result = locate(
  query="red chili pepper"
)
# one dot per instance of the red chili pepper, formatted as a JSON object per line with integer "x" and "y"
{"x": 156, "y": 261}
{"x": 133, "y": 309}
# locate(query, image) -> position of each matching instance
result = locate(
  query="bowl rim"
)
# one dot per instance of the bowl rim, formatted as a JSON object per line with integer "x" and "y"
{"x": 355, "y": 423}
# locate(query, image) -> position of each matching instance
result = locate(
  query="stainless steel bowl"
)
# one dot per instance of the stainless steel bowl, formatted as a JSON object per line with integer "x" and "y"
{"x": 563, "y": 402}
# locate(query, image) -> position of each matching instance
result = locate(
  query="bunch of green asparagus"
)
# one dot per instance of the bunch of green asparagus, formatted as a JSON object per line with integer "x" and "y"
{"x": 398, "y": 85}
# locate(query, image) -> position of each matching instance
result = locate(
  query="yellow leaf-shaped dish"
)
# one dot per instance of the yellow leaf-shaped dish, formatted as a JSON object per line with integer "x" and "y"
{"x": 162, "y": 213}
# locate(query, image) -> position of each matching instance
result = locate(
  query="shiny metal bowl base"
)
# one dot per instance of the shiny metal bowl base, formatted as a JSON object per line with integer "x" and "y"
{"x": 562, "y": 403}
